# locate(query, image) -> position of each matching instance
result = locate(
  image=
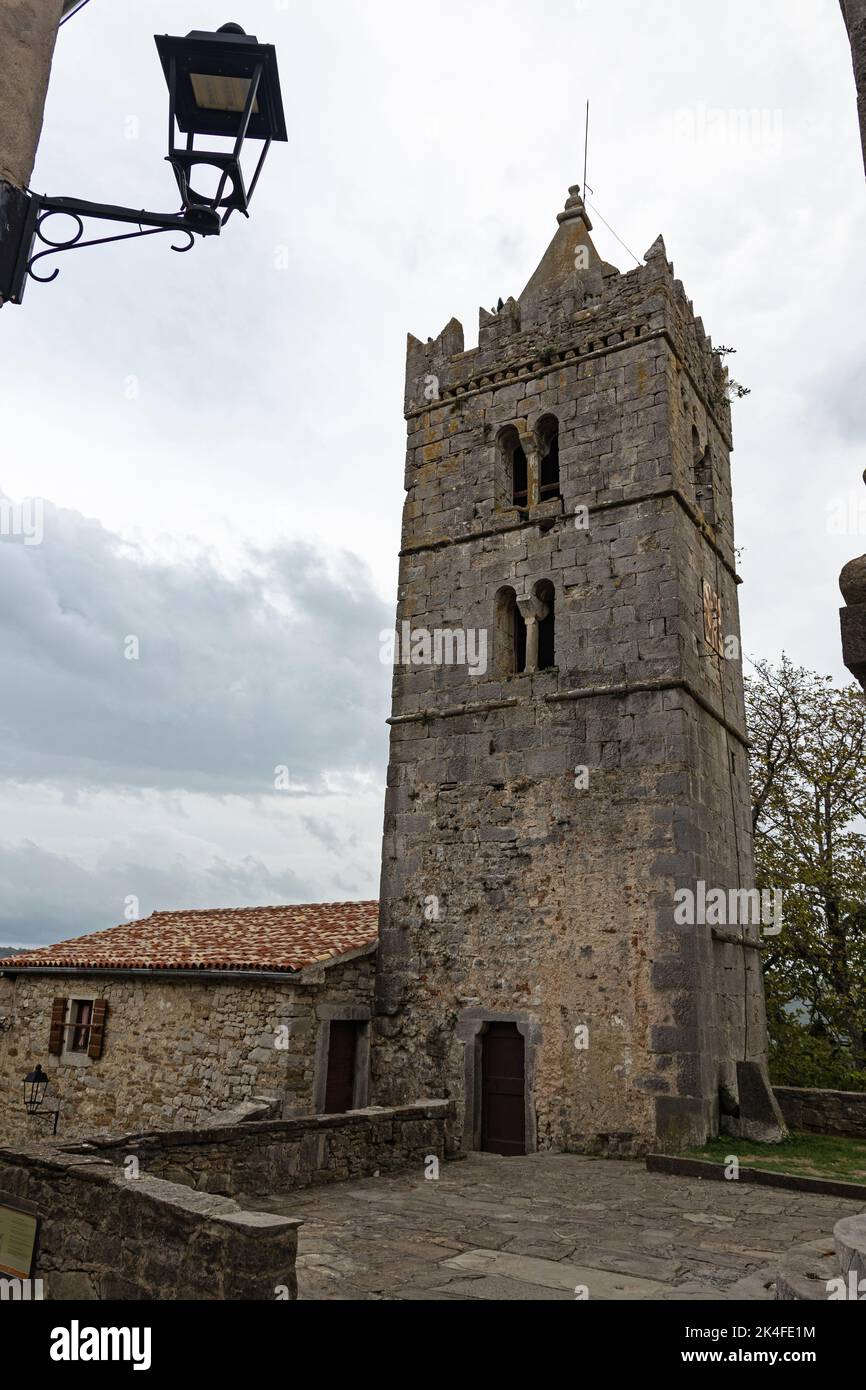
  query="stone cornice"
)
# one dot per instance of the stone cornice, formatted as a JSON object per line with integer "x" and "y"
{"x": 691, "y": 511}
{"x": 589, "y": 692}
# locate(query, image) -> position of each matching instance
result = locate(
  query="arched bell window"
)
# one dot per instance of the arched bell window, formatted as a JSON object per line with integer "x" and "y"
{"x": 702, "y": 468}
{"x": 516, "y": 466}
{"x": 546, "y": 594}
{"x": 510, "y": 634}
{"x": 547, "y": 432}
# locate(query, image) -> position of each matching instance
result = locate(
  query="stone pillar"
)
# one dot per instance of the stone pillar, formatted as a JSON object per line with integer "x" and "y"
{"x": 532, "y": 611}
{"x": 852, "y": 582}
{"x": 533, "y": 473}
{"x": 854, "y": 14}
{"x": 28, "y": 30}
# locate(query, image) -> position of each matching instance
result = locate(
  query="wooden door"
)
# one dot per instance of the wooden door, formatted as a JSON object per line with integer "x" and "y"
{"x": 342, "y": 1051}
{"x": 503, "y": 1090}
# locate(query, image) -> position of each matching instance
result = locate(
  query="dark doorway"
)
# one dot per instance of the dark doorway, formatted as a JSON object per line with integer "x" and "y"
{"x": 503, "y": 1086}
{"x": 342, "y": 1052}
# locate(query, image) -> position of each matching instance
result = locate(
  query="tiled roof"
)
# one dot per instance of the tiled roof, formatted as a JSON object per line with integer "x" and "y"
{"x": 242, "y": 938}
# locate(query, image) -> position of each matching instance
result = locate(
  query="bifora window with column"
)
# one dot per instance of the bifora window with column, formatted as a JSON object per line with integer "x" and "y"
{"x": 525, "y": 630}
{"x": 529, "y": 464}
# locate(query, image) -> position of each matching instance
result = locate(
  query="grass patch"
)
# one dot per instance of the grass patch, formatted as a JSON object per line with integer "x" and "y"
{"x": 806, "y": 1155}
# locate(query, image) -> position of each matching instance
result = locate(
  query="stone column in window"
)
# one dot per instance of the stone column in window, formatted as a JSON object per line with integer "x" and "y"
{"x": 533, "y": 611}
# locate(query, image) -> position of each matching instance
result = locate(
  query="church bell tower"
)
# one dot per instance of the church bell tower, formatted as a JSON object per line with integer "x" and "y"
{"x": 568, "y": 760}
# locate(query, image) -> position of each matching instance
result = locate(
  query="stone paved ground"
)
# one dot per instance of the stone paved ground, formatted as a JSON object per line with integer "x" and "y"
{"x": 536, "y": 1227}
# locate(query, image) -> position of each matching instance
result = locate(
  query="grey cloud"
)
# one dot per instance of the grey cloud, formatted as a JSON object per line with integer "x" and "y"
{"x": 279, "y": 666}
{"x": 46, "y": 897}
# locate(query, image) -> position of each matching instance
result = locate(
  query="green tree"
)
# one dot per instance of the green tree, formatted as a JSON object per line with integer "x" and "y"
{"x": 808, "y": 769}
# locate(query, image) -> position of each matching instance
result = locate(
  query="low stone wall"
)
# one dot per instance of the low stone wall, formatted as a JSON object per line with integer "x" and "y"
{"x": 271, "y": 1156}
{"x": 104, "y": 1235}
{"x": 823, "y": 1112}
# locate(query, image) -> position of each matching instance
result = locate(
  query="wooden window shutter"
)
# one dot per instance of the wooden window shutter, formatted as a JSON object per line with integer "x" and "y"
{"x": 97, "y": 1028}
{"x": 58, "y": 1018}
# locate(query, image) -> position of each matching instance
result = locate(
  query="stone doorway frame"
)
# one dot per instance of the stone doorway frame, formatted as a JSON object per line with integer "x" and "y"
{"x": 342, "y": 1013}
{"x": 471, "y": 1027}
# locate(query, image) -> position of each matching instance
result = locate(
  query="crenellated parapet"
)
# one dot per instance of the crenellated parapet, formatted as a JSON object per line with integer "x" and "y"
{"x": 575, "y": 307}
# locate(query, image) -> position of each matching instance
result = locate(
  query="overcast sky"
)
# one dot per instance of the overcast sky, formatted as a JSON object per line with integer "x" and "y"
{"x": 218, "y": 437}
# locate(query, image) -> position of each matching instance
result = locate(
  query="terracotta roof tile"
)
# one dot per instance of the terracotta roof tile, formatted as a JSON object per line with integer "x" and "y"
{"x": 242, "y": 938}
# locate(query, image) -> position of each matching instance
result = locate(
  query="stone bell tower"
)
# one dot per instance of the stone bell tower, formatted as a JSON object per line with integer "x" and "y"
{"x": 568, "y": 761}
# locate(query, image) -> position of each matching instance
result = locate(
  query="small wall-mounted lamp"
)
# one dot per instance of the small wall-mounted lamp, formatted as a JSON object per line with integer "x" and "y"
{"x": 35, "y": 1086}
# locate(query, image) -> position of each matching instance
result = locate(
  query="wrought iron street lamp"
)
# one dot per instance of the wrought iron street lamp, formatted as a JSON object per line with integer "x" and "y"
{"x": 35, "y": 1086}
{"x": 220, "y": 85}
{"x": 226, "y": 85}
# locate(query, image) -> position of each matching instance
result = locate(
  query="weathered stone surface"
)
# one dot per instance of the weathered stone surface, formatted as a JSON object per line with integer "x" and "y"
{"x": 823, "y": 1111}
{"x": 554, "y": 902}
{"x": 805, "y": 1273}
{"x": 849, "y": 1236}
{"x": 854, "y": 14}
{"x": 758, "y": 1114}
{"x": 179, "y": 1052}
{"x": 28, "y": 29}
{"x": 280, "y": 1156}
{"x": 395, "y": 1236}
{"x": 105, "y": 1236}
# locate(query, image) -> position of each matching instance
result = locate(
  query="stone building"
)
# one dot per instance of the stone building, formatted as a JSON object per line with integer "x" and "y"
{"x": 28, "y": 32}
{"x": 183, "y": 1017}
{"x": 852, "y": 580}
{"x": 568, "y": 751}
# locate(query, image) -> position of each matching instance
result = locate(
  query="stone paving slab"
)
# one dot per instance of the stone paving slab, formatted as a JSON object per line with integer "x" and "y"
{"x": 553, "y": 1274}
{"x": 533, "y": 1228}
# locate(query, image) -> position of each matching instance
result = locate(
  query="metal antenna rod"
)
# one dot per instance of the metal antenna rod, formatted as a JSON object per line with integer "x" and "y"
{"x": 585, "y": 147}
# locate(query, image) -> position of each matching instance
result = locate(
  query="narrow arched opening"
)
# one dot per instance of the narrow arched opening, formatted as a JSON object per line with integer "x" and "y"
{"x": 547, "y": 433}
{"x": 546, "y": 595}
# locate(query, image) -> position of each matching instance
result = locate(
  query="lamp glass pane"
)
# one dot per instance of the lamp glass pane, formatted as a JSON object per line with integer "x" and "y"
{"x": 214, "y": 92}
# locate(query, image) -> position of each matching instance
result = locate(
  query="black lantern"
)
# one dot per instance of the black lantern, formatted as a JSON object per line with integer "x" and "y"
{"x": 225, "y": 85}
{"x": 220, "y": 86}
{"x": 35, "y": 1086}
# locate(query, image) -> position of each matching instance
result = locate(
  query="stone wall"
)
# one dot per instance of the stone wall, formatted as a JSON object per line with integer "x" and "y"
{"x": 823, "y": 1112}
{"x": 854, "y": 14}
{"x": 104, "y": 1236}
{"x": 269, "y": 1157}
{"x": 28, "y": 29}
{"x": 177, "y": 1050}
{"x": 554, "y": 904}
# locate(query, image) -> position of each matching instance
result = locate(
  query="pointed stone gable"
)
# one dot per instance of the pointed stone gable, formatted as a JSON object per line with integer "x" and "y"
{"x": 570, "y": 261}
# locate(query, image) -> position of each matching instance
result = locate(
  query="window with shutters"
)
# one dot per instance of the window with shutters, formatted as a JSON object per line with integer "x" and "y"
{"x": 78, "y": 1030}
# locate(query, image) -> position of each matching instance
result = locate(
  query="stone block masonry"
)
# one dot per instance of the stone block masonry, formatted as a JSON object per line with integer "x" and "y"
{"x": 177, "y": 1050}
{"x": 550, "y": 810}
{"x": 823, "y": 1112}
{"x": 104, "y": 1236}
{"x": 271, "y": 1156}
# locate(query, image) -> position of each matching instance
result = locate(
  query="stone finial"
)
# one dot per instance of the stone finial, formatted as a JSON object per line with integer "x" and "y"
{"x": 570, "y": 265}
{"x": 574, "y": 208}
